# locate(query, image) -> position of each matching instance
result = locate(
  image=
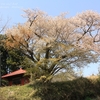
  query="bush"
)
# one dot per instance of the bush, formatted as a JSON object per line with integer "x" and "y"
{"x": 78, "y": 89}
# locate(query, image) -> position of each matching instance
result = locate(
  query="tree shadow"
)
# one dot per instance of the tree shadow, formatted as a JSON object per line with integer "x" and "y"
{"x": 78, "y": 89}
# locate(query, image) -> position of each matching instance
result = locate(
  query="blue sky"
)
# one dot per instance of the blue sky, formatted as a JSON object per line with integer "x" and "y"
{"x": 13, "y": 9}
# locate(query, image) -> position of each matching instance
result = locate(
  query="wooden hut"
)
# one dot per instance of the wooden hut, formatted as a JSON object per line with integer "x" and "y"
{"x": 16, "y": 77}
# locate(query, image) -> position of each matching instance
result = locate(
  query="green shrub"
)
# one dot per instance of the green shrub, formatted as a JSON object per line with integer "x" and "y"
{"x": 78, "y": 89}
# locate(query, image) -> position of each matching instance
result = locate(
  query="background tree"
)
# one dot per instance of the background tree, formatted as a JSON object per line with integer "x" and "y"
{"x": 56, "y": 43}
{"x": 11, "y": 60}
{"x": 14, "y": 59}
{"x": 2, "y": 51}
{"x": 3, "y": 54}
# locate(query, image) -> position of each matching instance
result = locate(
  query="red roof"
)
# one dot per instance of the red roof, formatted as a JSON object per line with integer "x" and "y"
{"x": 20, "y": 71}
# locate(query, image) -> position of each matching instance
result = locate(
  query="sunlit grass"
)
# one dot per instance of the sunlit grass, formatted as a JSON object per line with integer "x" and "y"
{"x": 15, "y": 92}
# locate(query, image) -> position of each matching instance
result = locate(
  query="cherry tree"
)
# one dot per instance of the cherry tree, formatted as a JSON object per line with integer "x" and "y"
{"x": 55, "y": 43}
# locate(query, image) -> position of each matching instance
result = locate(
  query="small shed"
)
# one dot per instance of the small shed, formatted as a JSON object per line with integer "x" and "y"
{"x": 16, "y": 77}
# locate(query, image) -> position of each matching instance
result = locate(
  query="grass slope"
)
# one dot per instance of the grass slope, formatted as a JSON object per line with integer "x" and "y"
{"x": 78, "y": 89}
{"x": 15, "y": 92}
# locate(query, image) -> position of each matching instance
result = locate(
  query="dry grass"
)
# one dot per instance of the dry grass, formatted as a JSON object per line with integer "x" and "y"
{"x": 15, "y": 92}
{"x": 93, "y": 77}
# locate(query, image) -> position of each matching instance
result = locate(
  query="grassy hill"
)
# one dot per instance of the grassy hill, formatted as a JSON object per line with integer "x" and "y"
{"x": 77, "y": 89}
{"x": 15, "y": 92}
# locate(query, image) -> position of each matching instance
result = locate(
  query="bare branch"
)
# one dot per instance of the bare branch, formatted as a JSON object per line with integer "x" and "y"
{"x": 31, "y": 21}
